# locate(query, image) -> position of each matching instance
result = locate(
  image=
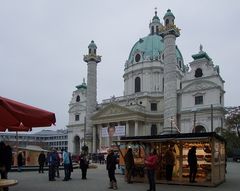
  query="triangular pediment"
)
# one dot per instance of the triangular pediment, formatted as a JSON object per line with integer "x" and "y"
{"x": 112, "y": 110}
{"x": 199, "y": 86}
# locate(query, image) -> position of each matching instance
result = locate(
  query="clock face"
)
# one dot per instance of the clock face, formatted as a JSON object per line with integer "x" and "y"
{"x": 137, "y": 58}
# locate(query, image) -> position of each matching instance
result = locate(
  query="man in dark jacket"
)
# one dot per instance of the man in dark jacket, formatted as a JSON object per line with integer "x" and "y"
{"x": 192, "y": 162}
{"x": 84, "y": 165}
{"x": 129, "y": 164}
{"x": 111, "y": 167}
{"x": 41, "y": 161}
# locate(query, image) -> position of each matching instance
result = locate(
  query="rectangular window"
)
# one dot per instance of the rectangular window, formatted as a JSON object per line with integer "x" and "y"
{"x": 198, "y": 100}
{"x": 153, "y": 106}
{"x": 76, "y": 117}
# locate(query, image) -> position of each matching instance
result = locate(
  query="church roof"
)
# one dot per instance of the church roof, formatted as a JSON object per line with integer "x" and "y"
{"x": 168, "y": 13}
{"x": 150, "y": 47}
{"x": 201, "y": 54}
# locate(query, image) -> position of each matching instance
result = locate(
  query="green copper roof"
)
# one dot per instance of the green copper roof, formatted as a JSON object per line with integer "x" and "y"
{"x": 150, "y": 47}
{"x": 201, "y": 54}
{"x": 156, "y": 18}
{"x": 168, "y": 13}
{"x": 82, "y": 86}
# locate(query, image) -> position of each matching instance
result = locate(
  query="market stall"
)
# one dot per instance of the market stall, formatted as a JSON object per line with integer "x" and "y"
{"x": 210, "y": 156}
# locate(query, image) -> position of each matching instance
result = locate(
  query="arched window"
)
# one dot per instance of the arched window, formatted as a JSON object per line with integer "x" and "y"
{"x": 95, "y": 51}
{"x": 137, "y": 58}
{"x": 180, "y": 64}
{"x": 198, "y": 73}
{"x": 89, "y": 51}
{"x": 157, "y": 30}
{"x": 199, "y": 129}
{"x": 78, "y": 99}
{"x": 154, "y": 129}
{"x": 137, "y": 84}
{"x": 167, "y": 22}
{"x": 152, "y": 30}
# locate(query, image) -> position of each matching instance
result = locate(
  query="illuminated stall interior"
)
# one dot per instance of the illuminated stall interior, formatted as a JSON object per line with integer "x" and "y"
{"x": 210, "y": 156}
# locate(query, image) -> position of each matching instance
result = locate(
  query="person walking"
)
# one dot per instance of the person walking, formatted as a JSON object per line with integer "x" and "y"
{"x": 151, "y": 165}
{"x": 192, "y": 162}
{"x": 170, "y": 162}
{"x": 84, "y": 165}
{"x": 129, "y": 165}
{"x": 111, "y": 167}
{"x": 41, "y": 162}
{"x": 66, "y": 165}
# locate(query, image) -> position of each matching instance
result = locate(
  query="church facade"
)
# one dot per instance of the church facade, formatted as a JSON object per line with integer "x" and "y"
{"x": 162, "y": 94}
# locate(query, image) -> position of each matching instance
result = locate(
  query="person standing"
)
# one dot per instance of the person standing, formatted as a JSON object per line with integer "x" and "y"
{"x": 20, "y": 161}
{"x": 41, "y": 162}
{"x": 51, "y": 165}
{"x": 192, "y": 162}
{"x": 57, "y": 164}
{"x": 84, "y": 165}
{"x": 129, "y": 164}
{"x": 111, "y": 167}
{"x": 3, "y": 169}
{"x": 170, "y": 162}
{"x": 66, "y": 165}
{"x": 70, "y": 165}
{"x": 151, "y": 165}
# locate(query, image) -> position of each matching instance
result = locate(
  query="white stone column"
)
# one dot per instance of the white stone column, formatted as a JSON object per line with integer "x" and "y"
{"x": 127, "y": 129}
{"x": 100, "y": 136}
{"x": 136, "y": 128}
{"x": 94, "y": 139}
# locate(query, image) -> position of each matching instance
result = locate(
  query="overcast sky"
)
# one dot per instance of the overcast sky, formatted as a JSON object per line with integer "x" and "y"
{"x": 42, "y": 43}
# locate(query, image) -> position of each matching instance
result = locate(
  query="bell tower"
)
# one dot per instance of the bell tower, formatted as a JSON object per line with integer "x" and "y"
{"x": 92, "y": 59}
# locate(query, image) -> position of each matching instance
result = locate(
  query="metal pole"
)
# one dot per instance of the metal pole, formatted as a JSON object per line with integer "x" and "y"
{"x": 84, "y": 132}
{"x": 194, "y": 122}
{"x": 211, "y": 117}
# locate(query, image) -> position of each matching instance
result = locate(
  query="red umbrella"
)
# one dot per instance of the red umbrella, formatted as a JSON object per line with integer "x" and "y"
{"x": 18, "y": 116}
{"x": 21, "y": 127}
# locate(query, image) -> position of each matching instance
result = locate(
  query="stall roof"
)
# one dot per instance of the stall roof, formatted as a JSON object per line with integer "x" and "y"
{"x": 171, "y": 137}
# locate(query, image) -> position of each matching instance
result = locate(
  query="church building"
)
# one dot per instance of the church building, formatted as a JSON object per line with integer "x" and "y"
{"x": 162, "y": 94}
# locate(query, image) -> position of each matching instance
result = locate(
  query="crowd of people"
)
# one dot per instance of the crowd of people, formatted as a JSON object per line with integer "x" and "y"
{"x": 54, "y": 159}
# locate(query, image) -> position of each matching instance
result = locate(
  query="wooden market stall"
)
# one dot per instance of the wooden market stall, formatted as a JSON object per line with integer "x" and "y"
{"x": 210, "y": 155}
{"x": 30, "y": 154}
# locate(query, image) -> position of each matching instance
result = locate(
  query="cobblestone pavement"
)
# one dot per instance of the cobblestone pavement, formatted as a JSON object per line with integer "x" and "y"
{"x": 98, "y": 180}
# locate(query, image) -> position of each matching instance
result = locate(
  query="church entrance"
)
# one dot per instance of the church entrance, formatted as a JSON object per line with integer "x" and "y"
{"x": 76, "y": 145}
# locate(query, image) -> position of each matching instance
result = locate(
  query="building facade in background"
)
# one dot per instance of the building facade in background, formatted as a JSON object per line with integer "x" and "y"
{"x": 46, "y": 139}
{"x": 162, "y": 94}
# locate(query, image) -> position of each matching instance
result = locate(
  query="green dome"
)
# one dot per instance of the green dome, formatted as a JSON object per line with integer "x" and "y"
{"x": 168, "y": 13}
{"x": 150, "y": 48}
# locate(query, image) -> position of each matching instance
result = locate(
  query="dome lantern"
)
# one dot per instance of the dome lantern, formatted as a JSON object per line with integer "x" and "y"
{"x": 155, "y": 25}
{"x": 169, "y": 18}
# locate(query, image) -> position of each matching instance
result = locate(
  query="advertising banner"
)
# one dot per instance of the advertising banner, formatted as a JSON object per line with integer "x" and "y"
{"x": 113, "y": 131}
